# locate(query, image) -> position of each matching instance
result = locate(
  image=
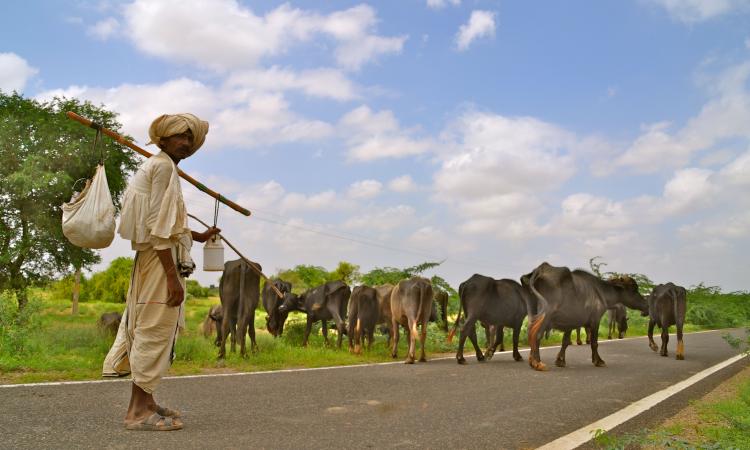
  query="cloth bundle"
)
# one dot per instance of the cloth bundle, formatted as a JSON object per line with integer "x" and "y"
{"x": 88, "y": 221}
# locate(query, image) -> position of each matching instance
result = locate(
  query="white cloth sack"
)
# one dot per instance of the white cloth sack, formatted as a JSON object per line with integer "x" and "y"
{"x": 89, "y": 220}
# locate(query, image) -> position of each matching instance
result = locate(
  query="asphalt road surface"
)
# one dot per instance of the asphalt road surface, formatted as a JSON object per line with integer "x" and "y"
{"x": 438, "y": 404}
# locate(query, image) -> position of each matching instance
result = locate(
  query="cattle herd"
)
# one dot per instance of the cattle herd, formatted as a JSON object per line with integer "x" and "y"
{"x": 550, "y": 297}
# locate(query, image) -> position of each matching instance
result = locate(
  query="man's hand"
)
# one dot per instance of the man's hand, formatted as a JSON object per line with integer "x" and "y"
{"x": 176, "y": 294}
{"x": 206, "y": 235}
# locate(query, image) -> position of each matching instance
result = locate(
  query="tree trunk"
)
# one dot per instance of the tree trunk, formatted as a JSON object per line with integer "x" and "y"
{"x": 21, "y": 297}
{"x": 76, "y": 291}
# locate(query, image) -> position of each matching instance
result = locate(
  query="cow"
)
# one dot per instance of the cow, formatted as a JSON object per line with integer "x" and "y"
{"x": 271, "y": 302}
{"x": 322, "y": 303}
{"x": 667, "y": 305}
{"x": 496, "y": 304}
{"x": 239, "y": 291}
{"x": 441, "y": 299}
{"x": 212, "y": 323}
{"x": 618, "y": 319}
{"x": 565, "y": 300}
{"x": 411, "y": 302}
{"x": 109, "y": 322}
{"x": 363, "y": 317}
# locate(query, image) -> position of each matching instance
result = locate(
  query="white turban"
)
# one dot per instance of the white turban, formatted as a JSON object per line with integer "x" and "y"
{"x": 170, "y": 124}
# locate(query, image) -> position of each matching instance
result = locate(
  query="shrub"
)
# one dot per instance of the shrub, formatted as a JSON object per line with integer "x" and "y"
{"x": 111, "y": 285}
{"x": 16, "y": 325}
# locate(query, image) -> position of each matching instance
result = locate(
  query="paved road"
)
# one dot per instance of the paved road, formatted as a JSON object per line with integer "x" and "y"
{"x": 439, "y": 404}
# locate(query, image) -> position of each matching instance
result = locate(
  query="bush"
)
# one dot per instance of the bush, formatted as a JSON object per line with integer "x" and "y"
{"x": 111, "y": 285}
{"x": 62, "y": 289}
{"x": 16, "y": 325}
{"x": 195, "y": 290}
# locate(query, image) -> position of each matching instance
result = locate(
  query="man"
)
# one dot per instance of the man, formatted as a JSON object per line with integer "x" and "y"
{"x": 153, "y": 217}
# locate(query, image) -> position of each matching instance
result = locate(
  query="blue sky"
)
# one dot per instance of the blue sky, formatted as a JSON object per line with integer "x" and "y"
{"x": 492, "y": 134}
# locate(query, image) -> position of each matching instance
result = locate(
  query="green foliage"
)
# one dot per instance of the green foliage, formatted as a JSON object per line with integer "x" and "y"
{"x": 195, "y": 290}
{"x": 15, "y": 324}
{"x": 304, "y": 277}
{"x": 645, "y": 284}
{"x": 346, "y": 272}
{"x": 392, "y": 275}
{"x": 43, "y": 153}
{"x": 708, "y": 307}
{"x": 111, "y": 285}
{"x": 62, "y": 289}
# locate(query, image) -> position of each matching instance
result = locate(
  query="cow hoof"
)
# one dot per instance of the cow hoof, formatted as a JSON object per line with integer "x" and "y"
{"x": 480, "y": 357}
{"x": 560, "y": 363}
{"x": 461, "y": 361}
{"x": 489, "y": 355}
{"x": 600, "y": 364}
{"x": 409, "y": 361}
{"x": 423, "y": 359}
{"x": 541, "y": 367}
{"x": 664, "y": 354}
{"x": 518, "y": 357}
{"x": 653, "y": 347}
{"x": 579, "y": 343}
{"x": 680, "y": 357}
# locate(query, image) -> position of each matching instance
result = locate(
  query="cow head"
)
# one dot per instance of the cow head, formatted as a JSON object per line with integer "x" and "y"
{"x": 633, "y": 298}
{"x": 292, "y": 302}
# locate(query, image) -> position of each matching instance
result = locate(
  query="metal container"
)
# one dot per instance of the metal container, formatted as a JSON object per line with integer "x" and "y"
{"x": 213, "y": 254}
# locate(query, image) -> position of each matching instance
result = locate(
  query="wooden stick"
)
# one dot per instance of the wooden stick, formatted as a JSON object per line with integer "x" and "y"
{"x": 143, "y": 152}
{"x": 250, "y": 263}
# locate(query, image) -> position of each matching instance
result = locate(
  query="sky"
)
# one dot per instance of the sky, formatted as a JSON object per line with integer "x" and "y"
{"x": 490, "y": 135}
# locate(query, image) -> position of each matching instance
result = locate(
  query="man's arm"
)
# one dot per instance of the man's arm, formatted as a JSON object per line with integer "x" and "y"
{"x": 176, "y": 294}
{"x": 206, "y": 235}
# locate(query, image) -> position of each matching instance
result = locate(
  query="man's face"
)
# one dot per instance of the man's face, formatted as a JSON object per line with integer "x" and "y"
{"x": 178, "y": 146}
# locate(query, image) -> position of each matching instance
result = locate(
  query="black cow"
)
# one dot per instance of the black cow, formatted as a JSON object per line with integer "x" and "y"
{"x": 363, "y": 317}
{"x": 323, "y": 303}
{"x": 496, "y": 304}
{"x": 239, "y": 290}
{"x": 618, "y": 319}
{"x": 441, "y": 299}
{"x": 109, "y": 322}
{"x": 212, "y": 323}
{"x": 275, "y": 319}
{"x": 667, "y": 305}
{"x": 566, "y": 300}
{"x": 411, "y": 302}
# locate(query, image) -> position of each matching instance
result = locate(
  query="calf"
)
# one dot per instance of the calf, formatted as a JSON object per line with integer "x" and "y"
{"x": 667, "y": 305}
{"x": 496, "y": 304}
{"x": 411, "y": 302}
{"x": 212, "y": 323}
{"x": 275, "y": 319}
{"x": 618, "y": 318}
{"x": 363, "y": 316}
{"x": 322, "y": 303}
{"x": 239, "y": 290}
{"x": 108, "y": 323}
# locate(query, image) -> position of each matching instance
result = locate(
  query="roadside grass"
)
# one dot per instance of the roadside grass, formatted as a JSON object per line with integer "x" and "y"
{"x": 49, "y": 344}
{"x": 721, "y": 420}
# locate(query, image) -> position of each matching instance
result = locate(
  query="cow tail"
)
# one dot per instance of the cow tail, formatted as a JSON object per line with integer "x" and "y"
{"x": 458, "y": 318}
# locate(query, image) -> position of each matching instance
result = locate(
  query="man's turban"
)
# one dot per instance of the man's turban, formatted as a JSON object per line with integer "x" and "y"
{"x": 171, "y": 124}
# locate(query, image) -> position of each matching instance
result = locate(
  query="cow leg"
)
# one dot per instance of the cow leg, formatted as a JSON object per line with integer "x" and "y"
{"x": 589, "y": 332}
{"x": 536, "y": 330}
{"x": 578, "y": 336}
{"x": 679, "y": 316}
{"x": 491, "y": 341}
{"x": 664, "y": 340}
{"x": 225, "y": 324}
{"x": 241, "y": 327}
{"x": 251, "y": 332}
{"x": 358, "y": 338}
{"x": 468, "y": 322}
{"x": 500, "y": 337}
{"x": 370, "y": 338}
{"x": 651, "y": 343}
{"x": 560, "y": 361}
{"x": 394, "y": 339}
{"x": 611, "y": 326}
{"x": 422, "y": 339}
{"x": 324, "y": 329}
{"x": 595, "y": 358}
{"x": 413, "y": 334}
{"x": 308, "y": 328}
{"x": 516, "y": 336}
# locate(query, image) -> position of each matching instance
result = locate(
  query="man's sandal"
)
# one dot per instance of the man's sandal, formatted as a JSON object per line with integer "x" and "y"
{"x": 168, "y": 412}
{"x": 155, "y": 422}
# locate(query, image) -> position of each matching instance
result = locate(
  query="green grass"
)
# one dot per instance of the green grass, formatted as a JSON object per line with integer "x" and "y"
{"x": 49, "y": 344}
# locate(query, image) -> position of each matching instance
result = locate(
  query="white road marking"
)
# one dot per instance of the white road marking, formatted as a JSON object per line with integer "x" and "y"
{"x": 308, "y": 369}
{"x": 585, "y": 434}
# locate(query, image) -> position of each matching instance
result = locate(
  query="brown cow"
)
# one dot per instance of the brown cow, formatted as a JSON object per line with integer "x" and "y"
{"x": 109, "y": 322}
{"x": 212, "y": 323}
{"x": 411, "y": 302}
{"x": 239, "y": 291}
{"x": 363, "y": 316}
{"x": 441, "y": 298}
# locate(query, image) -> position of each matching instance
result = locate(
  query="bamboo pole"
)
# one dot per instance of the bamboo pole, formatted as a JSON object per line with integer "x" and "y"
{"x": 250, "y": 263}
{"x": 143, "y": 152}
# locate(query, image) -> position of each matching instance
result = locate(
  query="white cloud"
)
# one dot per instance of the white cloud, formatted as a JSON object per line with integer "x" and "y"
{"x": 236, "y": 118}
{"x": 694, "y": 11}
{"x": 439, "y": 4}
{"x": 14, "y": 72}
{"x": 325, "y": 83}
{"x": 403, "y": 183}
{"x": 724, "y": 116}
{"x": 365, "y": 189}
{"x": 382, "y": 219}
{"x": 375, "y": 135}
{"x": 104, "y": 29}
{"x": 224, "y": 34}
{"x": 481, "y": 24}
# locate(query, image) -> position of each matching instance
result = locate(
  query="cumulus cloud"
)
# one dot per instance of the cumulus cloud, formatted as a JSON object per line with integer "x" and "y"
{"x": 724, "y": 116}
{"x": 439, "y": 4}
{"x": 375, "y": 135}
{"x": 382, "y": 219}
{"x": 365, "y": 189}
{"x": 324, "y": 83}
{"x": 15, "y": 72}
{"x": 243, "y": 38}
{"x": 481, "y": 24}
{"x": 694, "y": 11}
{"x": 403, "y": 183}
{"x": 236, "y": 118}
{"x": 104, "y": 29}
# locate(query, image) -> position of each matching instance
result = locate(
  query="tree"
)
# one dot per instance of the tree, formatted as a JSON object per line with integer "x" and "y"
{"x": 346, "y": 272}
{"x": 391, "y": 275}
{"x": 111, "y": 285}
{"x": 42, "y": 155}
